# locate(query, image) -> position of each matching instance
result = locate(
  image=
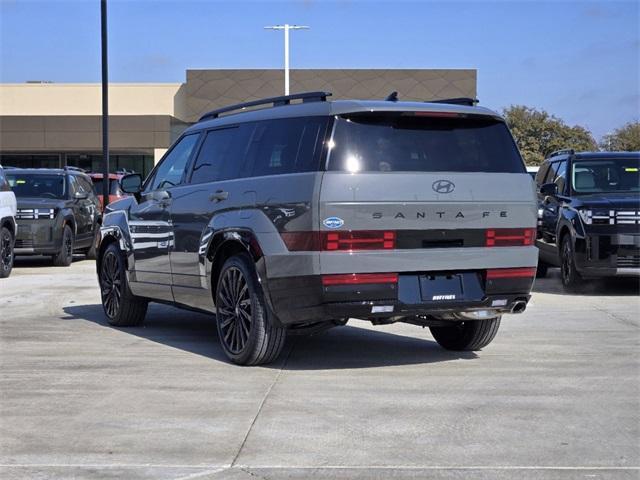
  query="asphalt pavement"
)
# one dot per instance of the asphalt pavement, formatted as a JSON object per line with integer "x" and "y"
{"x": 555, "y": 396}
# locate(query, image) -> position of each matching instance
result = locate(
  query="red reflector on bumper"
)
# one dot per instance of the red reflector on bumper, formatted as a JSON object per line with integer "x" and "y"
{"x": 359, "y": 278}
{"x": 524, "y": 272}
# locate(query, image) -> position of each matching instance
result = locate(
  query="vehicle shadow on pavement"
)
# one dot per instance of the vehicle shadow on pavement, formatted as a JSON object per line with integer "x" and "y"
{"x": 605, "y": 287}
{"x": 34, "y": 261}
{"x": 339, "y": 348}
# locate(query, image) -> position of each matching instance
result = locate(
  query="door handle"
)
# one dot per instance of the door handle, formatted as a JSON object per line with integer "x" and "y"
{"x": 218, "y": 196}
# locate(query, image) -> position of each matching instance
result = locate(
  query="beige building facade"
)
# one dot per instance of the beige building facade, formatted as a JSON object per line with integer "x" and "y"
{"x": 53, "y": 125}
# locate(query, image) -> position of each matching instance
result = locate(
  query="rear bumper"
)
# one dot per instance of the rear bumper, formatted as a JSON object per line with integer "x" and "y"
{"x": 606, "y": 255}
{"x": 305, "y": 299}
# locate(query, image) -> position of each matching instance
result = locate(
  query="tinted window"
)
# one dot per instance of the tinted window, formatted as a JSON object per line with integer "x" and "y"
{"x": 114, "y": 186}
{"x": 551, "y": 174}
{"x": 86, "y": 185}
{"x": 288, "y": 145}
{"x": 561, "y": 176}
{"x": 169, "y": 173}
{"x": 544, "y": 168}
{"x": 37, "y": 185}
{"x": 218, "y": 158}
{"x": 4, "y": 185}
{"x": 396, "y": 143}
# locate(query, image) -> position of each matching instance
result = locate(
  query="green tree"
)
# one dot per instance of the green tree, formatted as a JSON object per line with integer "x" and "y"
{"x": 624, "y": 139}
{"x": 538, "y": 133}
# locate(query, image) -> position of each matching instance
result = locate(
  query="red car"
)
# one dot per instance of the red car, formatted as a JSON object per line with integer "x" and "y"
{"x": 115, "y": 192}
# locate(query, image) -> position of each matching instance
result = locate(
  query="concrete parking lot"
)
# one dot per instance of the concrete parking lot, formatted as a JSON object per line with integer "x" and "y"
{"x": 556, "y": 396}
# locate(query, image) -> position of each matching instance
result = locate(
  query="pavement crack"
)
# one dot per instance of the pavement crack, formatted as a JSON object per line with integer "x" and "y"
{"x": 253, "y": 474}
{"x": 264, "y": 399}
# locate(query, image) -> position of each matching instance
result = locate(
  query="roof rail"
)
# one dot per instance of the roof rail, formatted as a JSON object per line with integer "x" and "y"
{"x": 74, "y": 169}
{"x": 274, "y": 101}
{"x": 565, "y": 151}
{"x": 471, "y": 102}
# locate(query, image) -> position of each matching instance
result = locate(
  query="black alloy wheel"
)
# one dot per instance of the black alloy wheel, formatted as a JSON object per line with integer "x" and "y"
{"x": 111, "y": 284}
{"x": 120, "y": 305}
{"x": 6, "y": 252}
{"x": 234, "y": 310}
{"x": 65, "y": 256}
{"x": 571, "y": 279}
{"x": 249, "y": 332}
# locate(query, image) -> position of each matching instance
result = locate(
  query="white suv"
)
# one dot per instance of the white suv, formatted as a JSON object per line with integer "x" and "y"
{"x": 8, "y": 226}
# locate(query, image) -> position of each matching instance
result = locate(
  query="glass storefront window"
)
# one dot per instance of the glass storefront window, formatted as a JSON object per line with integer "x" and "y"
{"x": 138, "y": 163}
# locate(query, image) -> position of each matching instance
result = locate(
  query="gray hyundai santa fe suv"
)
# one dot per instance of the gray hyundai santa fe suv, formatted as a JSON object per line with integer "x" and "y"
{"x": 299, "y": 216}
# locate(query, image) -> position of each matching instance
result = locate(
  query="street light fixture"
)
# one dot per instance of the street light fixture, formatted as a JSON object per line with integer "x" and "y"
{"x": 286, "y": 27}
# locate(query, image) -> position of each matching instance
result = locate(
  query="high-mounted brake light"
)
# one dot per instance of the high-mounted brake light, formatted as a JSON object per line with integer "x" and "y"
{"x": 523, "y": 272}
{"x": 510, "y": 237}
{"x": 437, "y": 114}
{"x": 359, "y": 278}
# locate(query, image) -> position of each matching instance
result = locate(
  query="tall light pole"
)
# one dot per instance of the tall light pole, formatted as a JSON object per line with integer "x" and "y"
{"x": 286, "y": 27}
{"x": 105, "y": 104}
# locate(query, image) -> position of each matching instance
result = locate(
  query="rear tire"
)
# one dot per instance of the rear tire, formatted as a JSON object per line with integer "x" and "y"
{"x": 245, "y": 325}
{"x": 91, "y": 253}
{"x": 6, "y": 252}
{"x": 122, "y": 308}
{"x": 542, "y": 269}
{"x": 571, "y": 279}
{"x": 467, "y": 335}
{"x": 65, "y": 256}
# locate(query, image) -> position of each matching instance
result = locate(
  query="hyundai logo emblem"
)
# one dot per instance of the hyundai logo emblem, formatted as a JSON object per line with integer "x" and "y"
{"x": 443, "y": 186}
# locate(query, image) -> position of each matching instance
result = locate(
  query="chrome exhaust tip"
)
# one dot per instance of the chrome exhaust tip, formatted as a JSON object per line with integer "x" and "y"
{"x": 519, "y": 307}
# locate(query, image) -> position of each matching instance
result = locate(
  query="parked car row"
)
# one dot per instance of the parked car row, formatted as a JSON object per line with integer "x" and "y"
{"x": 53, "y": 212}
{"x": 301, "y": 215}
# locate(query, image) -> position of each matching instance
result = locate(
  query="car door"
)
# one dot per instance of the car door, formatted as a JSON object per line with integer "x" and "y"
{"x": 86, "y": 210}
{"x": 209, "y": 191}
{"x": 78, "y": 206}
{"x": 150, "y": 222}
{"x": 552, "y": 203}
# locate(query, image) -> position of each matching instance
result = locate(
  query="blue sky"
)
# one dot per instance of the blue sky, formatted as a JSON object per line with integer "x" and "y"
{"x": 579, "y": 60}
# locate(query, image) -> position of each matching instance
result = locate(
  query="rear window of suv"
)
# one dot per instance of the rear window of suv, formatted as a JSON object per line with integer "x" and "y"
{"x": 403, "y": 143}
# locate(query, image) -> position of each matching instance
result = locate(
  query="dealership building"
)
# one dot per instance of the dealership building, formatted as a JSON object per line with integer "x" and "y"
{"x": 45, "y": 124}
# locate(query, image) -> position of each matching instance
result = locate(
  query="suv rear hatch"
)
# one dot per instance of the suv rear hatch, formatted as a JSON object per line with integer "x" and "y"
{"x": 425, "y": 191}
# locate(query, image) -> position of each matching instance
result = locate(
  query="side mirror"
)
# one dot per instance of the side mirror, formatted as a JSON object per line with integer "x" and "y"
{"x": 131, "y": 183}
{"x": 80, "y": 196}
{"x": 549, "y": 189}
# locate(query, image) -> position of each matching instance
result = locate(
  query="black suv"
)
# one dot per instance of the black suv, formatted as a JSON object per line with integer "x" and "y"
{"x": 589, "y": 215}
{"x": 58, "y": 213}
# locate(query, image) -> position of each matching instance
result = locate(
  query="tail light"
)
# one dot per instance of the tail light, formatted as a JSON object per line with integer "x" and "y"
{"x": 523, "y": 272}
{"x": 340, "y": 241}
{"x": 510, "y": 237}
{"x": 359, "y": 240}
{"x": 359, "y": 278}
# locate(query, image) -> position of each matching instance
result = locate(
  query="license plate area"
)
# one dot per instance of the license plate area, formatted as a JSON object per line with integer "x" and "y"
{"x": 450, "y": 287}
{"x": 441, "y": 287}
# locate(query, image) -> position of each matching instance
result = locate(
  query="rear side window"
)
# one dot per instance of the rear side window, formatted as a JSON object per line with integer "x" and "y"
{"x": 218, "y": 156}
{"x": 289, "y": 145}
{"x": 561, "y": 176}
{"x": 400, "y": 143}
{"x": 542, "y": 173}
{"x": 4, "y": 185}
